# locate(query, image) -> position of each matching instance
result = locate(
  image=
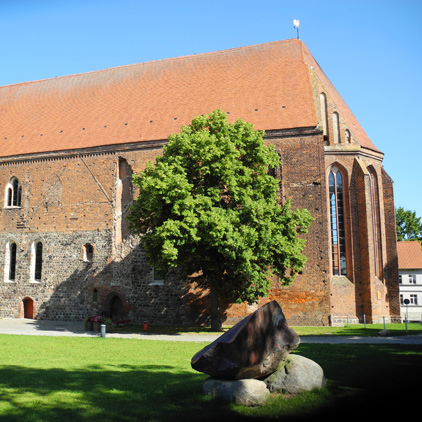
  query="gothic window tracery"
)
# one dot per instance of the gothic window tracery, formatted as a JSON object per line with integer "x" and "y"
{"x": 337, "y": 224}
{"x": 14, "y": 193}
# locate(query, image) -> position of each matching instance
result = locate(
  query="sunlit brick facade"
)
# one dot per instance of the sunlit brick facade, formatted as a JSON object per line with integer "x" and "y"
{"x": 70, "y": 145}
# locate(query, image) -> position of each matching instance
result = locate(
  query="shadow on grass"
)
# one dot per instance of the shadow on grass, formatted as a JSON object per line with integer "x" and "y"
{"x": 128, "y": 393}
{"x": 363, "y": 380}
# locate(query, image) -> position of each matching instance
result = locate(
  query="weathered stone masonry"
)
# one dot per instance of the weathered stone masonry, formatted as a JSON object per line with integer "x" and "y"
{"x": 65, "y": 205}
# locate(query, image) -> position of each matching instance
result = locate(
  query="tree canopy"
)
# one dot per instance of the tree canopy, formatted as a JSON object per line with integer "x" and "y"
{"x": 209, "y": 207}
{"x": 409, "y": 226}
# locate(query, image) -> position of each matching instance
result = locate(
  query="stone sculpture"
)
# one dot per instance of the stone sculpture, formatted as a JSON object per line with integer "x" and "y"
{"x": 253, "y": 348}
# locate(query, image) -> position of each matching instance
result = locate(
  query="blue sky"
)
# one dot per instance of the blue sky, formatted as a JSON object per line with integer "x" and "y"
{"x": 370, "y": 50}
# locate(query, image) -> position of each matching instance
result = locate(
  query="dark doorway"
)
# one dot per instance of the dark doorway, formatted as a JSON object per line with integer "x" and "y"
{"x": 117, "y": 310}
{"x": 28, "y": 308}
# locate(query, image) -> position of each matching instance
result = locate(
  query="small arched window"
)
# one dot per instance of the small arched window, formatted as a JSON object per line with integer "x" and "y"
{"x": 347, "y": 136}
{"x": 337, "y": 226}
{"x": 14, "y": 193}
{"x": 88, "y": 252}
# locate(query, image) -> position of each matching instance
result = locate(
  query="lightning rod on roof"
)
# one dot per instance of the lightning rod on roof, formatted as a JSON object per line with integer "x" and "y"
{"x": 296, "y": 24}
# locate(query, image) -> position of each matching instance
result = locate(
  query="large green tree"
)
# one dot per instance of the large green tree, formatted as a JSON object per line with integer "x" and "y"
{"x": 209, "y": 206}
{"x": 409, "y": 226}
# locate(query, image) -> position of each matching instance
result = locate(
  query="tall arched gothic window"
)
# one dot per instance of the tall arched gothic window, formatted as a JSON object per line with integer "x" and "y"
{"x": 338, "y": 232}
{"x": 14, "y": 193}
{"x": 376, "y": 230}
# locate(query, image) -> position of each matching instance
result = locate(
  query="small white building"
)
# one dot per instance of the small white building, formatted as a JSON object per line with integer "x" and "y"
{"x": 410, "y": 279}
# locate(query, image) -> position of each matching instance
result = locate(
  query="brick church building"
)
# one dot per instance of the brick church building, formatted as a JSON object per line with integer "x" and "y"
{"x": 70, "y": 145}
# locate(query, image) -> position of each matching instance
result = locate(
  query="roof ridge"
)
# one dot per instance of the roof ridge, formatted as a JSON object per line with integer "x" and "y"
{"x": 167, "y": 59}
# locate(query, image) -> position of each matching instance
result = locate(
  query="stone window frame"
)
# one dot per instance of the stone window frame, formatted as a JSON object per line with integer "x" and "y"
{"x": 88, "y": 252}
{"x": 13, "y": 194}
{"x": 339, "y": 252}
{"x": 10, "y": 261}
{"x": 157, "y": 279}
{"x": 37, "y": 261}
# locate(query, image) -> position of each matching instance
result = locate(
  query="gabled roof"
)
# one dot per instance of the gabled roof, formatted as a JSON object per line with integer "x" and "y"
{"x": 268, "y": 85}
{"x": 409, "y": 254}
{"x": 342, "y": 107}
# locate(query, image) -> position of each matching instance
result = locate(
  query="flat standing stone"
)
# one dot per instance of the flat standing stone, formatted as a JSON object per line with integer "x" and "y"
{"x": 248, "y": 392}
{"x": 253, "y": 348}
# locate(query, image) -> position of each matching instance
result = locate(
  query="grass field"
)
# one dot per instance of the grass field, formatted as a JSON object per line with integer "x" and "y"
{"x": 351, "y": 330}
{"x": 94, "y": 379}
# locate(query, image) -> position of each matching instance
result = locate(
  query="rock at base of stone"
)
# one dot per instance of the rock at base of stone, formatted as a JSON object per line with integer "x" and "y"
{"x": 253, "y": 348}
{"x": 247, "y": 392}
{"x": 296, "y": 374}
{"x": 384, "y": 333}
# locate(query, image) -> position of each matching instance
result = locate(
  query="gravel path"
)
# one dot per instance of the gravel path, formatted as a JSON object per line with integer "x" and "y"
{"x": 76, "y": 329}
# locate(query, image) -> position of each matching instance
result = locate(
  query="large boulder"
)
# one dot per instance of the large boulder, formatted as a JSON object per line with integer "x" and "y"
{"x": 248, "y": 392}
{"x": 295, "y": 375}
{"x": 253, "y": 348}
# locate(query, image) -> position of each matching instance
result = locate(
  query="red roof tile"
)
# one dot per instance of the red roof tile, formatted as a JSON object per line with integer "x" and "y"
{"x": 267, "y": 85}
{"x": 409, "y": 254}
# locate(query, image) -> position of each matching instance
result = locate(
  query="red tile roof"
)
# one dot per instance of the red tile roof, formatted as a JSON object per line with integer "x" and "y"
{"x": 409, "y": 254}
{"x": 268, "y": 85}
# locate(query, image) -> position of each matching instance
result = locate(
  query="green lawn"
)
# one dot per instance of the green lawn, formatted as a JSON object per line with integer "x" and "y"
{"x": 351, "y": 330}
{"x": 94, "y": 379}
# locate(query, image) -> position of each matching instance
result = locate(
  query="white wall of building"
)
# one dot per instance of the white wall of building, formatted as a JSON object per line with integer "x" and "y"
{"x": 410, "y": 283}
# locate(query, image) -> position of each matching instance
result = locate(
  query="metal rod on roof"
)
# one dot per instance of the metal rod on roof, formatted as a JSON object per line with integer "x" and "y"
{"x": 296, "y": 24}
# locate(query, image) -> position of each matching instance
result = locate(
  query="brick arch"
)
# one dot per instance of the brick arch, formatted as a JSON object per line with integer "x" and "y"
{"x": 376, "y": 221}
{"x": 115, "y": 306}
{"x": 341, "y": 168}
{"x": 26, "y": 308}
{"x": 13, "y": 193}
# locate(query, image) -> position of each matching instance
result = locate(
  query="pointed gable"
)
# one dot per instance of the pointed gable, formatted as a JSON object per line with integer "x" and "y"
{"x": 341, "y": 106}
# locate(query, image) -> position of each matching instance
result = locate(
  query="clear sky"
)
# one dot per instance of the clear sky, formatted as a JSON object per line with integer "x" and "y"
{"x": 370, "y": 50}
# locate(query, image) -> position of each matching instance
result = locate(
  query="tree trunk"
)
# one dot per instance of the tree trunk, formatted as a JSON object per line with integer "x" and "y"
{"x": 216, "y": 324}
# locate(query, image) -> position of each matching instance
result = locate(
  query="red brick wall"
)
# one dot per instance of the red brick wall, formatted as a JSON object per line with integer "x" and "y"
{"x": 69, "y": 201}
{"x": 307, "y": 300}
